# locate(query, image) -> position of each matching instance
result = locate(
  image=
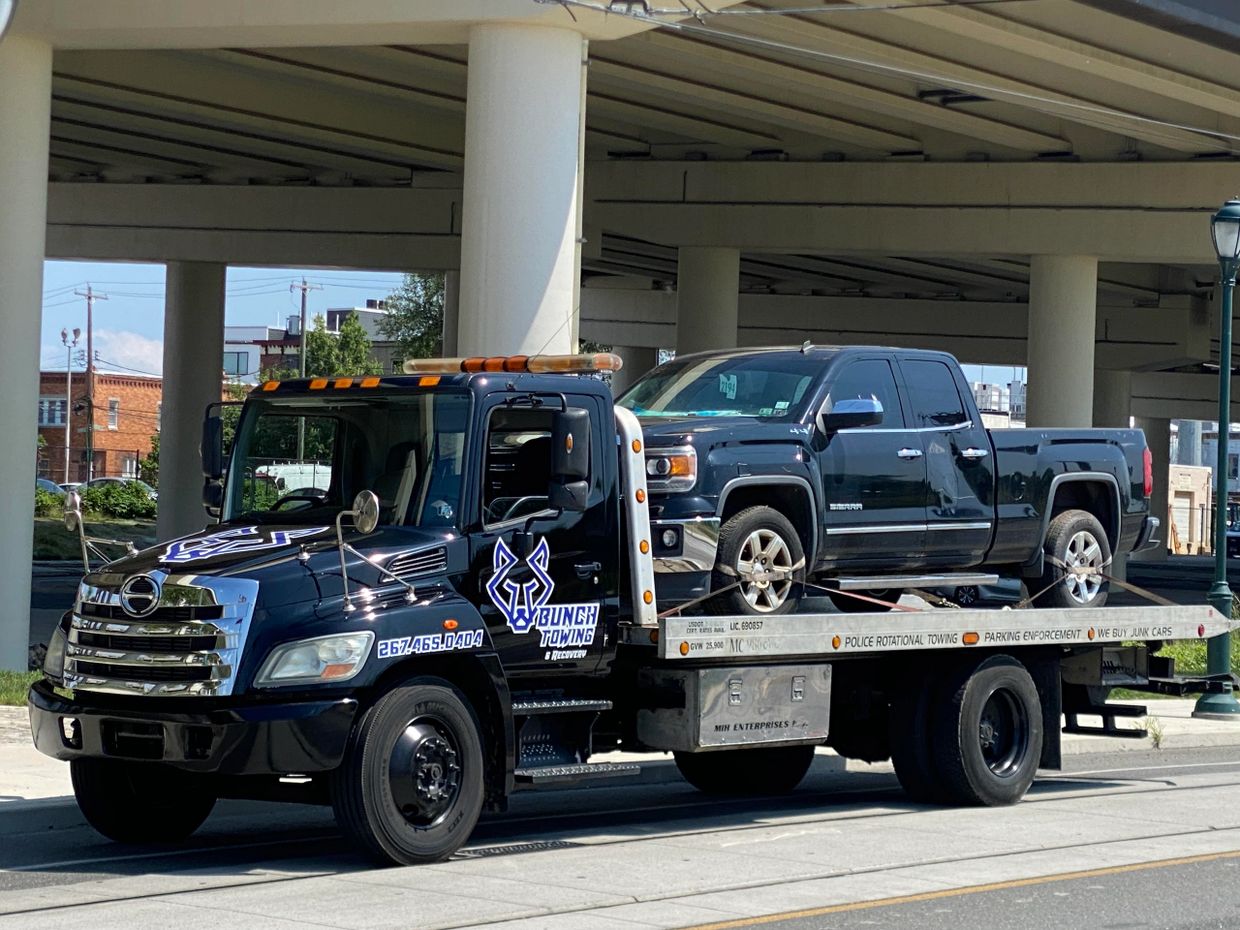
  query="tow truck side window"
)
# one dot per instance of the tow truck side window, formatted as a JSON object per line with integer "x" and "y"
{"x": 518, "y": 464}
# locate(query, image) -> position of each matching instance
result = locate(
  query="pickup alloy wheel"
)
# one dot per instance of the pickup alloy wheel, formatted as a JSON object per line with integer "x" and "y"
{"x": 1077, "y": 556}
{"x": 760, "y": 554}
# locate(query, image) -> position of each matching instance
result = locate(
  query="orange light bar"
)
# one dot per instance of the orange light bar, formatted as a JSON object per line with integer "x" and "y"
{"x": 370, "y": 382}
{"x": 344, "y": 382}
{"x": 317, "y": 384}
{"x": 271, "y": 385}
{"x": 532, "y": 364}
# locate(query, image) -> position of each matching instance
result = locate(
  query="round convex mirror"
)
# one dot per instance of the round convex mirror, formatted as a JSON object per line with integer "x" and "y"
{"x": 366, "y": 512}
{"x": 73, "y": 511}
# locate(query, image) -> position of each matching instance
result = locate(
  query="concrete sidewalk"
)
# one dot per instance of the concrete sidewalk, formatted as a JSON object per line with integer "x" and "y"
{"x": 28, "y": 775}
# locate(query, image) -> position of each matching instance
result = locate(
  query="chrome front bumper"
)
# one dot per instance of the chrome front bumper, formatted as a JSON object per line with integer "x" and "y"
{"x": 696, "y": 548}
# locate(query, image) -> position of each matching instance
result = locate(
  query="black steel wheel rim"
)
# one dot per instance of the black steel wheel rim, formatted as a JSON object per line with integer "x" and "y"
{"x": 424, "y": 772}
{"x": 1003, "y": 733}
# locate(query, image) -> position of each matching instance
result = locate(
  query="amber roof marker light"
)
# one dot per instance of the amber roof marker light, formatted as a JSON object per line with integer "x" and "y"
{"x": 516, "y": 364}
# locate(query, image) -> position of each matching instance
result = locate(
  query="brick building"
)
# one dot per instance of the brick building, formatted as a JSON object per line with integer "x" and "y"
{"x": 127, "y": 409}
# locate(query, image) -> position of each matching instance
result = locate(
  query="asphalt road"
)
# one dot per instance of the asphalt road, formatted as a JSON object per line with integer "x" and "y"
{"x": 844, "y": 850}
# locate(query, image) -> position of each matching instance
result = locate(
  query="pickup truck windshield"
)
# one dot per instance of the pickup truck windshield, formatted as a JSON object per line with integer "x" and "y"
{"x": 302, "y": 459}
{"x": 737, "y": 385}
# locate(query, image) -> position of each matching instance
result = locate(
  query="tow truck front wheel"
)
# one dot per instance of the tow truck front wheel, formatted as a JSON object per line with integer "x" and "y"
{"x": 140, "y": 802}
{"x": 410, "y": 788}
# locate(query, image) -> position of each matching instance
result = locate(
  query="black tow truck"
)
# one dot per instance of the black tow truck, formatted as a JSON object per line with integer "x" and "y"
{"x": 468, "y": 608}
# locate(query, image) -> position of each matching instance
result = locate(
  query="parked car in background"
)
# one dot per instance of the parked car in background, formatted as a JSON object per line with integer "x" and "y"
{"x": 101, "y": 482}
{"x": 51, "y": 487}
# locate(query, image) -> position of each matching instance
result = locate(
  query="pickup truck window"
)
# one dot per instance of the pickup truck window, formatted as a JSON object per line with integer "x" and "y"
{"x": 932, "y": 391}
{"x": 870, "y": 378}
{"x": 739, "y": 385}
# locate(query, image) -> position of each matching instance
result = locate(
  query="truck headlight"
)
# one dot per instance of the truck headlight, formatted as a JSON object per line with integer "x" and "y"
{"x": 322, "y": 659}
{"x": 671, "y": 469}
{"x": 54, "y": 661}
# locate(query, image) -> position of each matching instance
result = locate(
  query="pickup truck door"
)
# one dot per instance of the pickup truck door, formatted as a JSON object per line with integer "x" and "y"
{"x": 545, "y": 609}
{"x": 960, "y": 500}
{"x": 874, "y": 477}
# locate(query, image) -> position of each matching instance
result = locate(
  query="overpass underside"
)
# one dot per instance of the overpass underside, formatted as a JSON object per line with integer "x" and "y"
{"x": 1024, "y": 183}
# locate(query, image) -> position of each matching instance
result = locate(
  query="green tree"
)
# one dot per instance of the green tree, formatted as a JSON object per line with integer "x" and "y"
{"x": 414, "y": 319}
{"x": 343, "y": 353}
{"x": 148, "y": 468}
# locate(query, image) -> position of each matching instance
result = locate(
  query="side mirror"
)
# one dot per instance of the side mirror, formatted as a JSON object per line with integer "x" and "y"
{"x": 570, "y": 496}
{"x": 212, "y": 447}
{"x": 851, "y": 413}
{"x": 212, "y": 498}
{"x": 366, "y": 512}
{"x": 570, "y": 445}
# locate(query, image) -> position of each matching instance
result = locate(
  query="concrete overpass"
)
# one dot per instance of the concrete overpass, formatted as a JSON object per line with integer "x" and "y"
{"x": 1018, "y": 182}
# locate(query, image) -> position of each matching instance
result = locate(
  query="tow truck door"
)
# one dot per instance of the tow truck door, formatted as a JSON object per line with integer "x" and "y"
{"x": 544, "y": 604}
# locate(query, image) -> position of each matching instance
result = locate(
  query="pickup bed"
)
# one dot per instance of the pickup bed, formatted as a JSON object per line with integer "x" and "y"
{"x": 868, "y": 471}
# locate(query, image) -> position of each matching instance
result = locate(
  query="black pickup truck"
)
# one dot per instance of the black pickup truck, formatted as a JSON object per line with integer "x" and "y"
{"x": 868, "y": 471}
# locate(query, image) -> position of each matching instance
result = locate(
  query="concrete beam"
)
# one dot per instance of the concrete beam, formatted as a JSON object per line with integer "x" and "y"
{"x": 981, "y": 332}
{"x": 1142, "y": 212}
{"x": 1178, "y": 395}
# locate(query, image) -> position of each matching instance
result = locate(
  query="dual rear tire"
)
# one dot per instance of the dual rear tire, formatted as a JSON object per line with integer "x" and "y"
{"x": 974, "y": 737}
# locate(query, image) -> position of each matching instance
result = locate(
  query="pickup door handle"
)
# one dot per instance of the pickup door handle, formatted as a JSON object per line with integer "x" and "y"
{"x": 588, "y": 569}
{"x": 974, "y": 455}
{"x": 909, "y": 454}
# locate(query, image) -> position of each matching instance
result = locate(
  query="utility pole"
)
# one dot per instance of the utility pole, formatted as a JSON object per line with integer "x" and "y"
{"x": 69, "y": 346}
{"x": 91, "y": 297}
{"x": 301, "y": 421}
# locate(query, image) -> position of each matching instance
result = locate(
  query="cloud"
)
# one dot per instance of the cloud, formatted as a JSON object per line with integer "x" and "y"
{"x": 119, "y": 350}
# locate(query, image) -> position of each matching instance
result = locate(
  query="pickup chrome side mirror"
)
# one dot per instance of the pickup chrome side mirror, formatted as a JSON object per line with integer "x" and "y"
{"x": 851, "y": 413}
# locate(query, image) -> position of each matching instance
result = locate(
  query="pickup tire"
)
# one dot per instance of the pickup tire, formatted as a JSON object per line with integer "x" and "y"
{"x": 1075, "y": 543}
{"x": 988, "y": 734}
{"x": 140, "y": 802}
{"x": 757, "y": 770}
{"x": 410, "y": 788}
{"x": 754, "y": 544}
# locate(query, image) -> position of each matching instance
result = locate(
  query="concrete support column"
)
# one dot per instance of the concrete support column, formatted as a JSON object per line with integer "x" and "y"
{"x": 1113, "y": 410}
{"x": 1188, "y": 445}
{"x": 451, "y": 312}
{"x": 193, "y": 356}
{"x": 1158, "y": 438}
{"x": 1063, "y": 300}
{"x": 708, "y": 284}
{"x": 25, "y": 112}
{"x": 637, "y": 361}
{"x": 522, "y": 190}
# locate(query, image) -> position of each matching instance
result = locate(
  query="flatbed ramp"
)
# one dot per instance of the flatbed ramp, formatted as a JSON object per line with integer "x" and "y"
{"x": 830, "y": 634}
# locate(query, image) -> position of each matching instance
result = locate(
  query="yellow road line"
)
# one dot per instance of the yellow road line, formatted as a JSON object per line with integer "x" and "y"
{"x": 966, "y": 890}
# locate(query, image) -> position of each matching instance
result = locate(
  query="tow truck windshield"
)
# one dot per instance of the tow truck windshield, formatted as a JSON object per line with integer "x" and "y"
{"x": 302, "y": 458}
{"x": 733, "y": 385}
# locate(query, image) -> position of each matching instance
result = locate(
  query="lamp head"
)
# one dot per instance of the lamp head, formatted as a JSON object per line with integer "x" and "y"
{"x": 1225, "y": 230}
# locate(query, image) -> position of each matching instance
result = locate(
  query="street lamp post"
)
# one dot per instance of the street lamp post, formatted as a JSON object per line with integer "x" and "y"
{"x": 69, "y": 346}
{"x": 1225, "y": 229}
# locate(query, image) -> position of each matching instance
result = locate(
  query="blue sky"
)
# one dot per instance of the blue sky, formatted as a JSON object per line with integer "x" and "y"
{"x": 129, "y": 325}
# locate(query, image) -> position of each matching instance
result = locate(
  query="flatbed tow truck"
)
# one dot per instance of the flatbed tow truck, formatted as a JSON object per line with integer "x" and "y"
{"x": 482, "y": 618}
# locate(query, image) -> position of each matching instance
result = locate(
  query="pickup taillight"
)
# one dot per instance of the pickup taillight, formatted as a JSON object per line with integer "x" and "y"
{"x": 1148, "y": 459}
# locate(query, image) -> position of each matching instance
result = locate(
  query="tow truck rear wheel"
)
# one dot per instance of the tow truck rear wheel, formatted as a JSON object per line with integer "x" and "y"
{"x": 140, "y": 802}
{"x": 988, "y": 733}
{"x": 761, "y": 561}
{"x": 756, "y": 770}
{"x": 410, "y": 788}
{"x": 912, "y": 744}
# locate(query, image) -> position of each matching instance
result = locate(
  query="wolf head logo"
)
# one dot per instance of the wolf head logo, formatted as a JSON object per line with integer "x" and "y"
{"x": 520, "y": 601}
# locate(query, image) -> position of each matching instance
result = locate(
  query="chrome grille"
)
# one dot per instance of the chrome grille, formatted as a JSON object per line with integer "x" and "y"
{"x": 190, "y": 644}
{"x": 410, "y": 564}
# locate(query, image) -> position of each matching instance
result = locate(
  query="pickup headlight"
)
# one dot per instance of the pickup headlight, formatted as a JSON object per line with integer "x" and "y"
{"x": 671, "y": 469}
{"x": 320, "y": 660}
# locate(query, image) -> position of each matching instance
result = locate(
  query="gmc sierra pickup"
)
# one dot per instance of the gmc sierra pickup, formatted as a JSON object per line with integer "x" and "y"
{"x": 868, "y": 471}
